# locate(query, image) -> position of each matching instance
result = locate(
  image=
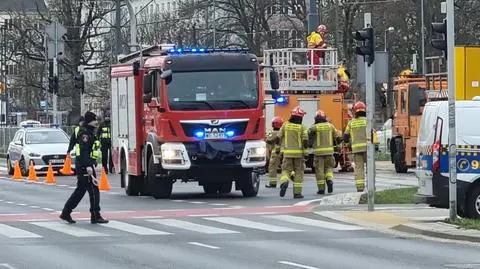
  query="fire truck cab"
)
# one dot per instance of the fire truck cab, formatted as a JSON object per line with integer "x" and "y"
{"x": 188, "y": 115}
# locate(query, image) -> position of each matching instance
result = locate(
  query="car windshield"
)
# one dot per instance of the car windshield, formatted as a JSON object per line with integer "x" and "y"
{"x": 46, "y": 137}
{"x": 212, "y": 90}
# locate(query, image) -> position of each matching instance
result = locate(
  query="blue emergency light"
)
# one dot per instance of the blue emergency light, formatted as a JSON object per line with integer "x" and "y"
{"x": 282, "y": 100}
{"x": 201, "y": 134}
{"x": 203, "y": 50}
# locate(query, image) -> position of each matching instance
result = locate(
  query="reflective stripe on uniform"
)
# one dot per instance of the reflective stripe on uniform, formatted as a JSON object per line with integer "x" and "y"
{"x": 95, "y": 150}
{"x": 105, "y": 133}
{"x": 293, "y": 148}
{"x": 324, "y": 139}
{"x": 358, "y": 133}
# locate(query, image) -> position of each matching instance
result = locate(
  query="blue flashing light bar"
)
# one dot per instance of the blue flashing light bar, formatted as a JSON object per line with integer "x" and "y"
{"x": 32, "y": 125}
{"x": 282, "y": 100}
{"x": 201, "y": 134}
{"x": 203, "y": 50}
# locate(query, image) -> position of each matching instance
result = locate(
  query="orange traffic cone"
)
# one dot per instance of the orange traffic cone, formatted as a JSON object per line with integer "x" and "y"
{"x": 67, "y": 169}
{"x": 17, "y": 174}
{"x": 32, "y": 176}
{"x": 103, "y": 185}
{"x": 50, "y": 179}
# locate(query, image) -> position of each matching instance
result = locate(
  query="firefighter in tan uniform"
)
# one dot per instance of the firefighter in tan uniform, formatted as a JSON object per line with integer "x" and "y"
{"x": 321, "y": 137}
{"x": 356, "y": 131}
{"x": 294, "y": 141}
{"x": 275, "y": 157}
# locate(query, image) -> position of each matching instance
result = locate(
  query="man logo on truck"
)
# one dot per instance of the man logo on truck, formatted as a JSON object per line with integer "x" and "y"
{"x": 214, "y": 132}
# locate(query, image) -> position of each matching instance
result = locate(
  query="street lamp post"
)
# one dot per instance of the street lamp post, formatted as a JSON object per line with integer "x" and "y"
{"x": 4, "y": 68}
{"x": 389, "y": 29}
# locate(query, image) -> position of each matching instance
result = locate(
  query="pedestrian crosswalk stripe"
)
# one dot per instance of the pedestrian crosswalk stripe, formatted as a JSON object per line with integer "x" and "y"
{"x": 191, "y": 226}
{"x": 314, "y": 222}
{"x": 252, "y": 224}
{"x": 130, "y": 228}
{"x": 67, "y": 229}
{"x": 13, "y": 232}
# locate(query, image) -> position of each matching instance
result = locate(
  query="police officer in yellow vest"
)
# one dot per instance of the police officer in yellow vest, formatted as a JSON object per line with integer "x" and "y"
{"x": 105, "y": 135}
{"x": 294, "y": 142}
{"x": 86, "y": 148}
{"x": 321, "y": 137}
{"x": 356, "y": 131}
{"x": 275, "y": 157}
{"x": 73, "y": 137}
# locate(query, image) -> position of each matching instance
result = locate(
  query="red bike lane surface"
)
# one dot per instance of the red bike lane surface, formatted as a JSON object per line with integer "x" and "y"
{"x": 166, "y": 213}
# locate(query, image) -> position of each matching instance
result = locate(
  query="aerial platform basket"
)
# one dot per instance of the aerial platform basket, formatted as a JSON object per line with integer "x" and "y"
{"x": 295, "y": 69}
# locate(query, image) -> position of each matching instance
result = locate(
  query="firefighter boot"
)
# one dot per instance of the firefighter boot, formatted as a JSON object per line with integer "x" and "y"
{"x": 321, "y": 192}
{"x": 97, "y": 218}
{"x": 330, "y": 186}
{"x": 297, "y": 196}
{"x": 270, "y": 185}
{"x": 283, "y": 188}
{"x": 66, "y": 217}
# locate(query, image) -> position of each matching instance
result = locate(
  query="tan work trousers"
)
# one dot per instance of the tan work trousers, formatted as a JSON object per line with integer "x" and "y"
{"x": 296, "y": 165}
{"x": 359, "y": 160}
{"x": 323, "y": 169}
{"x": 273, "y": 165}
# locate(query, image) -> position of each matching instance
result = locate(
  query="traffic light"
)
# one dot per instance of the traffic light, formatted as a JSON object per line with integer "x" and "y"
{"x": 53, "y": 84}
{"x": 440, "y": 44}
{"x": 80, "y": 82}
{"x": 367, "y": 49}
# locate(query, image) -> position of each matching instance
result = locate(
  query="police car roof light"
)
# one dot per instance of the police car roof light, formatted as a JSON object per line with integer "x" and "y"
{"x": 40, "y": 125}
{"x": 205, "y": 50}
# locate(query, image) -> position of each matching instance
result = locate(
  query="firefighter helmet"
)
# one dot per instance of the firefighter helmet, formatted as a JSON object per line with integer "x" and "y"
{"x": 277, "y": 122}
{"x": 298, "y": 111}
{"x": 359, "y": 106}
{"x": 322, "y": 29}
{"x": 321, "y": 114}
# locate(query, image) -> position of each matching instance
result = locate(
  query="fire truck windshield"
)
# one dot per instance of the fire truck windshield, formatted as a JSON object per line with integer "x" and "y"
{"x": 213, "y": 90}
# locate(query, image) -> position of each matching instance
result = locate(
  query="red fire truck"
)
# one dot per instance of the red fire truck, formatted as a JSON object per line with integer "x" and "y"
{"x": 188, "y": 115}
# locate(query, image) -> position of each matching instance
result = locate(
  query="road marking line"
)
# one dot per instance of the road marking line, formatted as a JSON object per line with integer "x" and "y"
{"x": 204, "y": 215}
{"x": 67, "y": 229}
{"x": 48, "y": 209}
{"x": 147, "y": 217}
{"x": 252, "y": 224}
{"x": 6, "y": 265}
{"x": 28, "y": 220}
{"x": 222, "y": 208}
{"x": 126, "y": 227}
{"x": 22, "y": 204}
{"x": 262, "y": 213}
{"x": 71, "y": 187}
{"x": 62, "y": 185}
{"x": 219, "y": 204}
{"x": 298, "y": 265}
{"x": 13, "y": 232}
{"x": 279, "y": 206}
{"x": 178, "y": 201}
{"x": 196, "y": 202}
{"x": 34, "y": 206}
{"x": 203, "y": 245}
{"x": 8, "y": 202}
{"x": 1, "y": 200}
{"x": 192, "y": 226}
{"x": 14, "y": 214}
{"x": 304, "y": 203}
{"x": 316, "y": 223}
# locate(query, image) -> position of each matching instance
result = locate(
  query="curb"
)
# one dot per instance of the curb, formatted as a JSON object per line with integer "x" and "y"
{"x": 340, "y": 199}
{"x": 412, "y": 230}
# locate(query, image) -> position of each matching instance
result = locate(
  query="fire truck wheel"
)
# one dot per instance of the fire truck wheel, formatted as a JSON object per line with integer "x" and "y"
{"x": 249, "y": 183}
{"x": 160, "y": 187}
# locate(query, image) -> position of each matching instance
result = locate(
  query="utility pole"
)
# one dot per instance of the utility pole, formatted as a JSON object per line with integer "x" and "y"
{"x": 312, "y": 15}
{"x": 214, "y": 24}
{"x": 367, "y": 50}
{"x": 118, "y": 29}
{"x": 133, "y": 26}
{"x": 452, "y": 138}
{"x": 422, "y": 32}
{"x": 5, "y": 73}
{"x": 55, "y": 75}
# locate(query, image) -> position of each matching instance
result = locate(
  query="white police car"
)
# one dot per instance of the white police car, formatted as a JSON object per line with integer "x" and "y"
{"x": 39, "y": 144}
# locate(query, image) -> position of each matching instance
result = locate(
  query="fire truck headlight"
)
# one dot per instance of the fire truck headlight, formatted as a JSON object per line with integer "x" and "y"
{"x": 258, "y": 151}
{"x": 168, "y": 154}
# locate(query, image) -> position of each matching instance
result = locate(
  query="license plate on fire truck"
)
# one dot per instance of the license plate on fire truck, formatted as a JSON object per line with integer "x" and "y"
{"x": 214, "y": 133}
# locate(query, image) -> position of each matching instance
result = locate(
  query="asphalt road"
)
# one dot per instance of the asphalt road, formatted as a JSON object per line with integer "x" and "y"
{"x": 193, "y": 230}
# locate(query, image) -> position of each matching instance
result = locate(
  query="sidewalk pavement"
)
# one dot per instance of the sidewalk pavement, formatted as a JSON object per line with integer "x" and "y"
{"x": 412, "y": 219}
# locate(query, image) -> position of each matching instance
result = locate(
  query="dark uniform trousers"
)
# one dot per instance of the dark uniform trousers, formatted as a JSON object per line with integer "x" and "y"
{"x": 106, "y": 147}
{"x": 84, "y": 184}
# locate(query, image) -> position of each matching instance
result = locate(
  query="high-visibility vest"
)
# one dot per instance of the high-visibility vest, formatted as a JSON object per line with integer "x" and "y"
{"x": 357, "y": 128}
{"x": 271, "y": 141}
{"x": 342, "y": 74}
{"x": 314, "y": 40}
{"x": 94, "y": 154}
{"x": 76, "y": 130}
{"x": 105, "y": 133}
{"x": 324, "y": 134}
{"x": 293, "y": 136}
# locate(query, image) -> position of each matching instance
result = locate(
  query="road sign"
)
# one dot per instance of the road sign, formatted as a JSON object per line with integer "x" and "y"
{"x": 43, "y": 104}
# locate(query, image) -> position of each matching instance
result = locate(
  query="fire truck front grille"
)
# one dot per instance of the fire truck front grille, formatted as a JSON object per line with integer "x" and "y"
{"x": 199, "y": 157}
{"x": 191, "y": 128}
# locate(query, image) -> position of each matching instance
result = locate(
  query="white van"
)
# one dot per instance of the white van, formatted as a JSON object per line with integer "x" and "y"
{"x": 432, "y": 155}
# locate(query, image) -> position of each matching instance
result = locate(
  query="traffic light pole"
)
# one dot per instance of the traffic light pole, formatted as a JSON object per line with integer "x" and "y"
{"x": 55, "y": 74}
{"x": 370, "y": 94}
{"x": 452, "y": 139}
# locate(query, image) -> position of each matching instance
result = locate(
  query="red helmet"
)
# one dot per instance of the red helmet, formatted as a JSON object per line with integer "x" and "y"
{"x": 320, "y": 113}
{"x": 359, "y": 106}
{"x": 298, "y": 111}
{"x": 277, "y": 122}
{"x": 322, "y": 29}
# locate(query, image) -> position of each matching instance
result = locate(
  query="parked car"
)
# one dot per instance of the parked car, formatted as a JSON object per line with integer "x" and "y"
{"x": 384, "y": 135}
{"x": 42, "y": 145}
